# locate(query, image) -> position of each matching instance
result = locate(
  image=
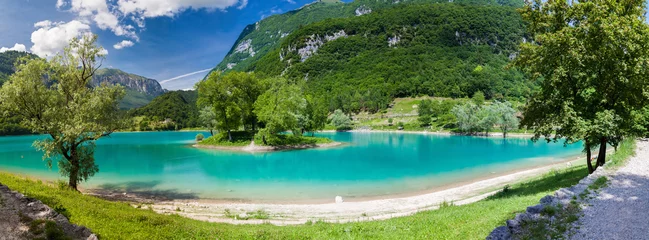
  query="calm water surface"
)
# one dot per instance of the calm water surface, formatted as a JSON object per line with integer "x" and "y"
{"x": 369, "y": 164}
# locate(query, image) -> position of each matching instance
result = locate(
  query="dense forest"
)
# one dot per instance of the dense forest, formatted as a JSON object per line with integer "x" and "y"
{"x": 177, "y": 108}
{"x": 260, "y": 38}
{"x": 446, "y": 50}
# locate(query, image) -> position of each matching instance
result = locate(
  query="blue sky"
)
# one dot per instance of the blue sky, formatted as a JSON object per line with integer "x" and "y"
{"x": 160, "y": 39}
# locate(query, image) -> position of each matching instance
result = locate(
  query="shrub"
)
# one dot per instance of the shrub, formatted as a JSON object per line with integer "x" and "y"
{"x": 199, "y": 137}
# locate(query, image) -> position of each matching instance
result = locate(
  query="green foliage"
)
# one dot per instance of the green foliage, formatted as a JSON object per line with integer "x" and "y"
{"x": 218, "y": 92}
{"x": 478, "y": 98}
{"x": 207, "y": 118}
{"x": 467, "y": 117}
{"x": 506, "y": 117}
{"x": 288, "y": 140}
{"x": 199, "y": 137}
{"x": 8, "y": 62}
{"x": 425, "y": 112}
{"x": 53, "y": 97}
{"x": 178, "y": 106}
{"x": 280, "y": 106}
{"x": 266, "y": 35}
{"x": 341, "y": 121}
{"x": 239, "y": 138}
{"x": 595, "y": 67}
{"x": 440, "y": 46}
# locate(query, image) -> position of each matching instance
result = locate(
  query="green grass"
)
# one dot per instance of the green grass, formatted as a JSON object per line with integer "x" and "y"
{"x": 239, "y": 138}
{"x": 114, "y": 220}
{"x": 290, "y": 140}
{"x": 624, "y": 152}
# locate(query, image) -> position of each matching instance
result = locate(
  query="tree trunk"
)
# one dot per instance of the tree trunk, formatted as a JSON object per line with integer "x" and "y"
{"x": 313, "y": 133}
{"x": 74, "y": 169}
{"x": 504, "y": 133}
{"x": 588, "y": 158}
{"x": 211, "y": 132}
{"x": 263, "y": 139}
{"x": 229, "y": 135}
{"x": 601, "y": 158}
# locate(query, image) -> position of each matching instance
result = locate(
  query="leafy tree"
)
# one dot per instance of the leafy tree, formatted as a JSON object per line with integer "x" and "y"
{"x": 247, "y": 88}
{"x": 425, "y": 112}
{"x": 467, "y": 117}
{"x": 208, "y": 119}
{"x": 53, "y": 97}
{"x": 487, "y": 117}
{"x": 594, "y": 62}
{"x": 280, "y": 106}
{"x": 316, "y": 114}
{"x": 506, "y": 117}
{"x": 341, "y": 121}
{"x": 478, "y": 98}
{"x": 218, "y": 92}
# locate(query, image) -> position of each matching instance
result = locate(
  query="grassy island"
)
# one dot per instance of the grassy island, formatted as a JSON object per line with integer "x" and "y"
{"x": 243, "y": 140}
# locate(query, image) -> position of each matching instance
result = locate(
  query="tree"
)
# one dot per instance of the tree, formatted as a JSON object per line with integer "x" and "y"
{"x": 506, "y": 117}
{"x": 207, "y": 118}
{"x": 593, "y": 60}
{"x": 341, "y": 121}
{"x": 487, "y": 117}
{"x": 316, "y": 114}
{"x": 478, "y": 98}
{"x": 218, "y": 92}
{"x": 280, "y": 106}
{"x": 467, "y": 116}
{"x": 247, "y": 88}
{"x": 425, "y": 112}
{"x": 55, "y": 98}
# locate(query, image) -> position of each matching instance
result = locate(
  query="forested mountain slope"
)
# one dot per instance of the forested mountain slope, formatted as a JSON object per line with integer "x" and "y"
{"x": 7, "y": 63}
{"x": 260, "y": 38}
{"x": 177, "y": 106}
{"x": 442, "y": 49}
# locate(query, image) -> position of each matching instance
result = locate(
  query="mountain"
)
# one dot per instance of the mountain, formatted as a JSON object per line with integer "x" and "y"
{"x": 262, "y": 37}
{"x": 178, "y": 106}
{"x": 441, "y": 49}
{"x": 139, "y": 90}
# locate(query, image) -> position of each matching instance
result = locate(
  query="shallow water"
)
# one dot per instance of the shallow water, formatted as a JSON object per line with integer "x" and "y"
{"x": 367, "y": 165}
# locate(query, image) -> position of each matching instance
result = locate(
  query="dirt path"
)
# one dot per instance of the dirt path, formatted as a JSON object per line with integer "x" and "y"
{"x": 619, "y": 210}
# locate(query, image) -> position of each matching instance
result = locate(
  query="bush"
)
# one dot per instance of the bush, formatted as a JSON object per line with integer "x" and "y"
{"x": 199, "y": 137}
{"x": 288, "y": 140}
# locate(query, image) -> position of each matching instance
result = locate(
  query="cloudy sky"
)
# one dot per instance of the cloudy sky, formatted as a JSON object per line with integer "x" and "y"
{"x": 172, "y": 41}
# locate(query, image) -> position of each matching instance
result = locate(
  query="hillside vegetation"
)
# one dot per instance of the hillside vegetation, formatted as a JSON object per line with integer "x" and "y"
{"x": 170, "y": 111}
{"x": 447, "y": 50}
{"x": 260, "y": 38}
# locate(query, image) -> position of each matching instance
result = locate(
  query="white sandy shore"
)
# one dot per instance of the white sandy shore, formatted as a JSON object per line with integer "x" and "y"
{"x": 285, "y": 214}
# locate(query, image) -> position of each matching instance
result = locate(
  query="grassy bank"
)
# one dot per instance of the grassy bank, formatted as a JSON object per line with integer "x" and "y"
{"x": 113, "y": 220}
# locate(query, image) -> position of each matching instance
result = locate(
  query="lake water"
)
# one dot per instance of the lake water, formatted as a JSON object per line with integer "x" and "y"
{"x": 367, "y": 165}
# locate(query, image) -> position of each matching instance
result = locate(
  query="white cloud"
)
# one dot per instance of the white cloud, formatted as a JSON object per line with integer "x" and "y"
{"x": 169, "y": 8}
{"x": 290, "y": 1}
{"x": 51, "y": 38}
{"x": 121, "y": 16}
{"x": 123, "y": 44}
{"x": 16, "y": 47}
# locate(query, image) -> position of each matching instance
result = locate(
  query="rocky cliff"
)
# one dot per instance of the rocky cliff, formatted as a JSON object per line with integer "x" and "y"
{"x": 129, "y": 81}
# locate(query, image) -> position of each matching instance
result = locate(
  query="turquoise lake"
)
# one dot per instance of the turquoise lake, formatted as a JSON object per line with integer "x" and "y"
{"x": 367, "y": 165}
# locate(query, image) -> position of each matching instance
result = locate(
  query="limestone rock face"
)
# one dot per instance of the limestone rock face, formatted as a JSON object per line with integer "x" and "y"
{"x": 129, "y": 81}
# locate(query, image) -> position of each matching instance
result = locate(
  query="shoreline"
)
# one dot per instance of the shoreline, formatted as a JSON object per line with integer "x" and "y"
{"x": 442, "y": 133}
{"x": 252, "y": 148}
{"x": 358, "y": 209}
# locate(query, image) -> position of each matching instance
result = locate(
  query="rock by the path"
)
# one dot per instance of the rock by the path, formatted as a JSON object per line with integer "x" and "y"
{"x": 18, "y": 212}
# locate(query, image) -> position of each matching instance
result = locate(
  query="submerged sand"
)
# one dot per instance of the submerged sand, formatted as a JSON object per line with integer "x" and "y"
{"x": 257, "y": 148}
{"x": 387, "y": 207}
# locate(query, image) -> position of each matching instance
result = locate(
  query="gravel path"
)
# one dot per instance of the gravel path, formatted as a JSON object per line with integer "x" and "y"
{"x": 620, "y": 210}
